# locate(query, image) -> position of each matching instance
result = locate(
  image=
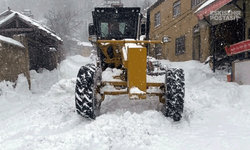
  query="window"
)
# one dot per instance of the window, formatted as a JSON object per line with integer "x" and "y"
{"x": 180, "y": 45}
{"x": 157, "y": 19}
{"x": 104, "y": 29}
{"x": 196, "y": 2}
{"x": 196, "y": 29}
{"x": 177, "y": 8}
{"x": 115, "y": 28}
{"x": 157, "y": 49}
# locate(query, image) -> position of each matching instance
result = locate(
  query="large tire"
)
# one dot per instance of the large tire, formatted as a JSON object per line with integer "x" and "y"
{"x": 174, "y": 94}
{"x": 87, "y": 104}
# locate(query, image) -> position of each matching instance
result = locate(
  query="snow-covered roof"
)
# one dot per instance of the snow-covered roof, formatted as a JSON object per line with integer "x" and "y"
{"x": 9, "y": 14}
{"x": 155, "y": 4}
{"x": 11, "y": 41}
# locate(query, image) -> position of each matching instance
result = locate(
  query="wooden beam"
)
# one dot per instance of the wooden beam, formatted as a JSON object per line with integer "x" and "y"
{"x": 7, "y": 22}
{"x": 17, "y": 23}
{"x": 17, "y": 30}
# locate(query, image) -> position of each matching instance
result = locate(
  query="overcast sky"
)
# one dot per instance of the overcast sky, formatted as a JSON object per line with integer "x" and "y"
{"x": 39, "y": 7}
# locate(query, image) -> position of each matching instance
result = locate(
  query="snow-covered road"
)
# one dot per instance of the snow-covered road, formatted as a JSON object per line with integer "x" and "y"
{"x": 216, "y": 115}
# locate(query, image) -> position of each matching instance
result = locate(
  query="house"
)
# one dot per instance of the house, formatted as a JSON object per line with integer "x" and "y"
{"x": 44, "y": 46}
{"x": 193, "y": 35}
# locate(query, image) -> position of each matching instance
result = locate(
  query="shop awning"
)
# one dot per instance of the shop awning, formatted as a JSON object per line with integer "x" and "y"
{"x": 237, "y": 48}
{"x": 208, "y": 6}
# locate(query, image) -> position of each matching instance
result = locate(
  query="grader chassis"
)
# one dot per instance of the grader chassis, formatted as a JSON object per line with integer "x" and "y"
{"x": 115, "y": 33}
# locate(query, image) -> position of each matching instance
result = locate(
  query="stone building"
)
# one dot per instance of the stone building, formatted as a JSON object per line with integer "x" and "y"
{"x": 195, "y": 37}
{"x": 176, "y": 19}
{"x": 26, "y": 45}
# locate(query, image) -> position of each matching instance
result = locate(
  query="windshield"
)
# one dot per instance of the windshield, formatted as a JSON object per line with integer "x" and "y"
{"x": 116, "y": 23}
{"x": 116, "y": 29}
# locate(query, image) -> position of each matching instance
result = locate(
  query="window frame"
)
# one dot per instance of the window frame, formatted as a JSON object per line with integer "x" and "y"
{"x": 195, "y": 3}
{"x": 157, "y": 19}
{"x": 180, "y": 45}
{"x": 177, "y": 8}
{"x": 158, "y": 50}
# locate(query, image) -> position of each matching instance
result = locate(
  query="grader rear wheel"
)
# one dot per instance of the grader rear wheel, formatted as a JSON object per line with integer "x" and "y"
{"x": 174, "y": 95}
{"x": 86, "y": 100}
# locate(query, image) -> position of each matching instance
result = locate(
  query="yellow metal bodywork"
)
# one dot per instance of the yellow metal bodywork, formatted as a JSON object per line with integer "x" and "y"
{"x": 124, "y": 84}
{"x": 134, "y": 61}
{"x": 137, "y": 63}
{"x": 117, "y": 59}
{"x": 117, "y": 46}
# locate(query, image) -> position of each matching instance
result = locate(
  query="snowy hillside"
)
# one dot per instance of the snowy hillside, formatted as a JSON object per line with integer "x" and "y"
{"x": 216, "y": 115}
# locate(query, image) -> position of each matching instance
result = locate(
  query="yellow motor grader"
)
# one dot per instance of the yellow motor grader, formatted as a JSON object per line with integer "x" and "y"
{"x": 115, "y": 32}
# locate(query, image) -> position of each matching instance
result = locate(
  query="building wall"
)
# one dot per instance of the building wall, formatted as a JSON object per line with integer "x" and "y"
{"x": 176, "y": 27}
{"x": 14, "y": 61}
{"x": 205, "y": 42}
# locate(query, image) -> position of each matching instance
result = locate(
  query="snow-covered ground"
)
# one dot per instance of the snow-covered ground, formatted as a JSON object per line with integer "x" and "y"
{"x": 216, "y": 115}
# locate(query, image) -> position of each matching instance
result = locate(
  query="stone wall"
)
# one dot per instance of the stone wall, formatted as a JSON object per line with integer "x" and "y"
{"x": 14, "y": 61}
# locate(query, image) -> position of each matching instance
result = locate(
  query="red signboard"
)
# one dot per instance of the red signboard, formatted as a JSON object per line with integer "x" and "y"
{"x": 211, "y": 7}
{"x": 238, "y": 48}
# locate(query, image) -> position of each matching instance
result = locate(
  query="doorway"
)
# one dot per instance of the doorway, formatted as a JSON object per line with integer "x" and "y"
{"x": 196, "y": 43}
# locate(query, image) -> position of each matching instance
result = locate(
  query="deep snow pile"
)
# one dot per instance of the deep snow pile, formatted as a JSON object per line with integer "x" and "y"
{"x": 216, "y": 114}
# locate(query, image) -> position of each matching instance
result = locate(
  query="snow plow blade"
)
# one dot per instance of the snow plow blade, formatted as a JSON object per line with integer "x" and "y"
{"x": 137, "y": 63}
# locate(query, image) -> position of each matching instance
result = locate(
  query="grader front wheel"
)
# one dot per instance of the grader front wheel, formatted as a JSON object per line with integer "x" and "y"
{"x": 86, "y": 101}
{"x": 174, "y": 94}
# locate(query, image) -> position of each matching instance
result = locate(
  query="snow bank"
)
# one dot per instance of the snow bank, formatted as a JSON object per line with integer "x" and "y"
{"x": 70, "y": 67}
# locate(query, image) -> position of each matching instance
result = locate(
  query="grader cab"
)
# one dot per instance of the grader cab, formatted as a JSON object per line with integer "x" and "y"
{"x": 122, "y": 64}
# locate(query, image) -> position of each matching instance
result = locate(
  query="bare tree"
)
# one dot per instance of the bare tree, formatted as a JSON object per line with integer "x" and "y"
{"x": 65, "y": 21}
